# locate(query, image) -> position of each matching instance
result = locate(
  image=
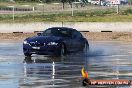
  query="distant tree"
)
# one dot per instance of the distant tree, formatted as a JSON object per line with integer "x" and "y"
{"x": 130, "y": 2}
{"x": 6, "y": 0}
{"x": 48, "y": 1}
{"x": 63, "y": 2}
{"x": 67, "y": 1}
{"x": 26, "y": 0}
{"x": 70, "y": 2}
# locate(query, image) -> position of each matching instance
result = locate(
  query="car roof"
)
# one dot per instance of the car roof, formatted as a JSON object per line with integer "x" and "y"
{"x": 62, "y": 28}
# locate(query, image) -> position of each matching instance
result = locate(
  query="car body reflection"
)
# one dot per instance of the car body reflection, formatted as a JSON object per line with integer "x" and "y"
{"x": 52, "y": 71}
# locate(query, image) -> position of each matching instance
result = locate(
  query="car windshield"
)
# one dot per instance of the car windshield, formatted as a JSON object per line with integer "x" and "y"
{"x": 57, "y": 32}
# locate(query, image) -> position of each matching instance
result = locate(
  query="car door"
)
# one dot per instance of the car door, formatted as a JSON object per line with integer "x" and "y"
{"x": 78, "y": 42}
{"x": 67, "y": 39}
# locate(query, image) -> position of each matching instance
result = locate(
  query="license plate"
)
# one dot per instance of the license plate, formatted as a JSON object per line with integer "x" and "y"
{"x": 36, "y": 47}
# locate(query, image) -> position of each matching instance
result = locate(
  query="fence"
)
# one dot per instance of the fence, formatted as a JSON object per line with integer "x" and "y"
{"x": 53, "y": 7}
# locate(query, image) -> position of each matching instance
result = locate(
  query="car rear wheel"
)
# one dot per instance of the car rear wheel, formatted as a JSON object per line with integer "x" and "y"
{"x": 27, "y": 54}
{"x": 86, "y": 48}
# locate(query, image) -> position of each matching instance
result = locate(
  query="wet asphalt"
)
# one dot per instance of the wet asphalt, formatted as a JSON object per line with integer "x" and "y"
{"x": 104, "y": 60}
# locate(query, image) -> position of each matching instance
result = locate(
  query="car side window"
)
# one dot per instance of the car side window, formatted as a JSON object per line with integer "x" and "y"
{"x": 76, "y": 34}
{"x": 47, "y": 32}
{"x": 65, "y": 33}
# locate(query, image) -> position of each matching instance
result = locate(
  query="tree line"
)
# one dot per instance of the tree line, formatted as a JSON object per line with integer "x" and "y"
{"x": 45, "y": 1}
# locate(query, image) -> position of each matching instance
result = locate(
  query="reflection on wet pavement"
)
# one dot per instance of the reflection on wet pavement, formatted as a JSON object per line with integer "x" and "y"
{"x": 104, "y": 60}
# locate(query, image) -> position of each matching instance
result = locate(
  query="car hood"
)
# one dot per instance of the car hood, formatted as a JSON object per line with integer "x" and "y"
{"x": 43, "y": 39}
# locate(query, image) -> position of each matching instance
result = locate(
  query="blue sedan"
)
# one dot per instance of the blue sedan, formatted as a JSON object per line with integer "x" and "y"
{"x": 55, "y": 41}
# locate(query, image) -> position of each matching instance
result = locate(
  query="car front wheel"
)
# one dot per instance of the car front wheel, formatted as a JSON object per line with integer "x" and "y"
{"x": 61, "y": 51}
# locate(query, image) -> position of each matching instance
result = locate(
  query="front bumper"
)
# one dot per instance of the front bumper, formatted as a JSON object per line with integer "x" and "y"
{"x": 41, "y": 50}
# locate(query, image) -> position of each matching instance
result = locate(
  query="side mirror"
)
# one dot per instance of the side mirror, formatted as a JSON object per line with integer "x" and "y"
{"x": 39, "y": 34}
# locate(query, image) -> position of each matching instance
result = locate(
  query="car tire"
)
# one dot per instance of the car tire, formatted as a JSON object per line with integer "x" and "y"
{"x": 28, "y": 59}
{"x": 61, "y": 51}
{"x": 86, "y": 48}
{"x": 27, "y": 54}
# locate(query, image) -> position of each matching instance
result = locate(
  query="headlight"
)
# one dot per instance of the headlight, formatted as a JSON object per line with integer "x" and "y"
{"x": 52, "y": 43}
{"x": 25, "y": 42}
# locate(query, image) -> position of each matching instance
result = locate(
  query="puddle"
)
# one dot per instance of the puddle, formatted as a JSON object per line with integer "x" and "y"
{"x": 105, "y": 60}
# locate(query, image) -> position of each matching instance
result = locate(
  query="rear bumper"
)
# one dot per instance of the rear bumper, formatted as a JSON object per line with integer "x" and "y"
{"x": 41, "y": 50}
